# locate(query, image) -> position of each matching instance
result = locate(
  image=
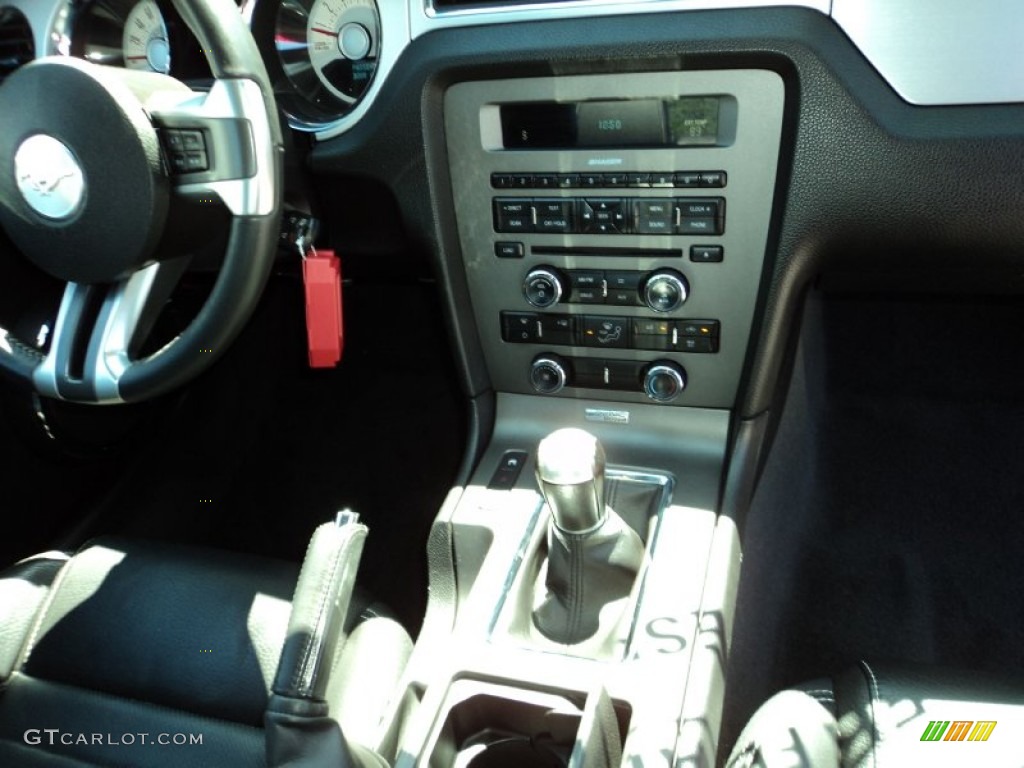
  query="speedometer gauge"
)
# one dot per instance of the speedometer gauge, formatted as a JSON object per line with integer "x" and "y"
{"x": 328, "y": 50}
{"x": 145, "y": 39}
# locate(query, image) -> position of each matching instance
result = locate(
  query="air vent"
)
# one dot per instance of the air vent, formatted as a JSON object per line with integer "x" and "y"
{"x": 16, "y": 46}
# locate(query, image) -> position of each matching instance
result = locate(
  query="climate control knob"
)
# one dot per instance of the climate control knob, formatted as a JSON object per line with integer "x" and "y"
{"x": 548, "y": 374}
{"x": 543, "y": 287}
{"x": 665, "y": 290}
{"x": 663, "y": 381}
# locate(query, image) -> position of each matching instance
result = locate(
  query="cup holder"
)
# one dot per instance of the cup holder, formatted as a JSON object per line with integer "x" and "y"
{"x": 493, "y": 726}
{"x": 493, "y": 749}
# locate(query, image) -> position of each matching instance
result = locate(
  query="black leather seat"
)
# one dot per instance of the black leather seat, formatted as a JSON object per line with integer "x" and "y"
{"x": 134, "y": 653}
{"x": 878, "y": 716}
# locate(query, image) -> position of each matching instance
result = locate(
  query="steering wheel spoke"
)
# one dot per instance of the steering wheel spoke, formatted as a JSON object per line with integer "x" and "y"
{"x": 99, "y": 330}
{"x": 218, "y": 146}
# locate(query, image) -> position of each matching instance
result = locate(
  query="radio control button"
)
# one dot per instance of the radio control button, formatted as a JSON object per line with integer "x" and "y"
{"x": 654, "y": 217}
{"x": 706, "y": 254}
{"x": 638, "y": 179}
{"x": 665, "y": 290}
{"x": 662, "y": 179}
{"x": 698, "y": 207}
{"x": 588, "y": 286}
{"x": 568, "y": 180}
{"x": 506, "y": 249}
{"x": 545, "y": 181}
{"x": 713, "y": 178}
{"x": 522, "y": 180}
{"x": 614, "y": 179}
{"x": 591, "y": 180}
{"x": 542, "y": 287}
{"x": 698, "y": 226}
{"x": 501, "y": 180}
{"x": 623, "y": 288}
{"x": 513, "y": 215}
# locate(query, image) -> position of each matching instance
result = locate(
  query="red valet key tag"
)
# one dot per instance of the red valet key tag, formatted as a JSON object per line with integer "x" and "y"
{"x": 325, "y": 334}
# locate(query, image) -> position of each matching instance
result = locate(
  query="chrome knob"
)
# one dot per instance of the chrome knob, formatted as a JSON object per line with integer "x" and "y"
{"x": 570, "y": 473}
{"x": 664, "y": 381}
{"x": 665, "y": 290}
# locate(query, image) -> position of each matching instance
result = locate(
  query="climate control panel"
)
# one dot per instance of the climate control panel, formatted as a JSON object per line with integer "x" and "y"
{"x": 661, "y": 380}
{"x": 661, "y": 290}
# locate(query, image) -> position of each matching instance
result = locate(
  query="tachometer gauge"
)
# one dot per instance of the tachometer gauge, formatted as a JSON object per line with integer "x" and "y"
{"x": 343, "y": 45}
{"x": 328, "y": 51}
{"x": 145, "y": 39}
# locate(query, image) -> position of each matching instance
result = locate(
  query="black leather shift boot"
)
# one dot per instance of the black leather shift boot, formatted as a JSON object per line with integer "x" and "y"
{"x": 587, "y": 580}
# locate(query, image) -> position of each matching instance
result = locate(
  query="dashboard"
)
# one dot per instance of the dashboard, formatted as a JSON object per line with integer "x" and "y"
{"x": 414, "y": 104}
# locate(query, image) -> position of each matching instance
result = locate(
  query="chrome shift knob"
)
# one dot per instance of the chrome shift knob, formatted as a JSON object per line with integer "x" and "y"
{"x": 570, "y": 473}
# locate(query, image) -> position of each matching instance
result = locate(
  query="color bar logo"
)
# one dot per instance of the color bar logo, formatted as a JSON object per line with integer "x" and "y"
{"x": 958, "y": 730}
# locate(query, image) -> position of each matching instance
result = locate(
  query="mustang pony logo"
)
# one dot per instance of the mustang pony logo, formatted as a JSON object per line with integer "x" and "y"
{"x": 43, "y": 183}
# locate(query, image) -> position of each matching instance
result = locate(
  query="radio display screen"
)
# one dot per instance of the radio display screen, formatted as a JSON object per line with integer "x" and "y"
{"x": 626, "y": 123}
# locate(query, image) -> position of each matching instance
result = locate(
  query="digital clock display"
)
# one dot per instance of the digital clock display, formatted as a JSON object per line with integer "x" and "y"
{"x": 625, "y": 123}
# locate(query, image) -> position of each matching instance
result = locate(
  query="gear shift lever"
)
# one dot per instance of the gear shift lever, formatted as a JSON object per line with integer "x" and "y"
{"x": 570, "y": 473}
{"x": 593, "y": 557}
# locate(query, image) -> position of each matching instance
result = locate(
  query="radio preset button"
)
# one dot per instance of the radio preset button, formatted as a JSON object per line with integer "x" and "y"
{"x": 568, "y": 180}
{"x": 662, "y": 179}
{"x": 501, "y": 180}
{"x": 522, "y": 180}
{"x": 713, "y": 178}
{"x": 687, "y": 179}
{"x": 614, "y": 179}
{"x": 545, "y": 181}
{"x": 638, "y": 179}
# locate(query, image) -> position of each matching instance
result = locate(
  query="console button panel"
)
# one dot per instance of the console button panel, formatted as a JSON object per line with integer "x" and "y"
{"x": 631, "y": 274}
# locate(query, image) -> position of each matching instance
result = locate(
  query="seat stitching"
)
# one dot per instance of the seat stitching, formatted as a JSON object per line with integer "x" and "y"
{"x": 311, "y": 641}
{"x": 44, "y": 609}
{"x": 875, "y": 697}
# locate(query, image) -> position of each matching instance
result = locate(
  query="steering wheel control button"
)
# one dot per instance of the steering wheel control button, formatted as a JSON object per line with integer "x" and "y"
{"x": 664, "y": 381}
{"x": 542, "y": 287}
{"x": 706, "y": 254}
{"x": 49, "y": 177}
{"x": 607, "y": 332}
{"x": 549, "y": 374}
{"x": 186, "y": 150}
{"x": 509, "y": 250}
{"x": 510, "y": 466}
{"x": 665, "y": 290}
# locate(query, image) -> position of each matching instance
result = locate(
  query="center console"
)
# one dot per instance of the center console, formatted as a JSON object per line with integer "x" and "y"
{"x": 613, "y": 232}
{"x": 613, "y": 228}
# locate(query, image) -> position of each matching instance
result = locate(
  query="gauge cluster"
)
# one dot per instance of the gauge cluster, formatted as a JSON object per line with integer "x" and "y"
{"x": 321, "y": 54}
{"x": 144, "y": 35}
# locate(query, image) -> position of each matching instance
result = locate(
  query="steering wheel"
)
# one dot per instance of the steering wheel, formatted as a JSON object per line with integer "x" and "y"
{"x": 104, "y": 173}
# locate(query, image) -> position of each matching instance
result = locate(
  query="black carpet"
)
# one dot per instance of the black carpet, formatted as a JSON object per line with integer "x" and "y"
{"x": 261, "y": 449}
{"x": 888, "y": 522}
